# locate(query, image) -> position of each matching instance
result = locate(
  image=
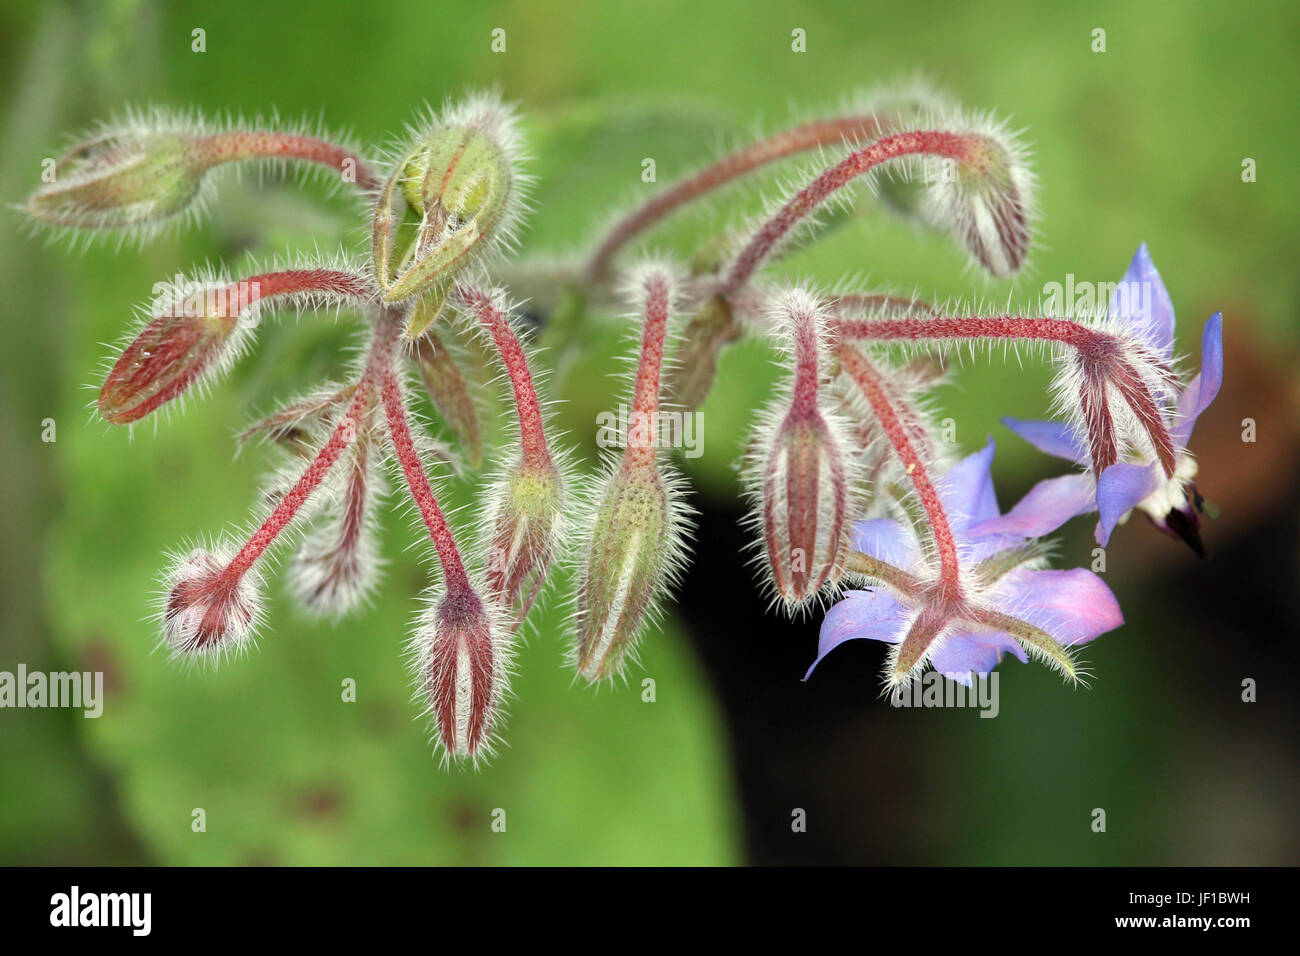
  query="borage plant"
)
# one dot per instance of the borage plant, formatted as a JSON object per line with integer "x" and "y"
{"x": 856, "y": 501}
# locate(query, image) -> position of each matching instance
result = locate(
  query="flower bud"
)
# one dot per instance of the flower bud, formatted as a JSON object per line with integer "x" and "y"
{"x": 984, "y": 198}
{"x": 205, "y": 610}
{"x": 696, "y": 360}
{"x": 462, "y": 673}
{"x": 451, "y": 197}
{"x": 450, "y": 394}
{"x": 799, "y": 476}
{"x": 189, "y": 339}
{"x": 525, "y": 523}
{"x": 123, "y": 176}
{"x": 805, "y": 495}
{"x": 337, "y": 564}
{"x": 628, "y": 561}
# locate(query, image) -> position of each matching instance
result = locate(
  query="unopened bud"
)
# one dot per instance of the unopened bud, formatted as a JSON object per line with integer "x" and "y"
{"x": 799, "y": 474}
{"x": 805, "y": 508}
{"x": 462, "y": 672}
{"x": 696, "y": 361}
{"x": 121, "y": 177}
{"x": 525, "y": 523}
{"x": 207, "y": 611}
{"x": 984, "y": 198}
{"x": 451, "y": 197}
{"x": 336, "y": 566}
{"x": 627, "y": 563}
{"x": 189, "y": 339}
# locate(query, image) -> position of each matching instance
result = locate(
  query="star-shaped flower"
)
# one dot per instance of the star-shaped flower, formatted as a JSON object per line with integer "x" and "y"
{"x": 1007, "y": 603}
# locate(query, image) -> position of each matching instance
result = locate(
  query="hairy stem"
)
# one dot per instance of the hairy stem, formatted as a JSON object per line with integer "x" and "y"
{"x": 532, "y": 429}
{"x": 378, "y": 362}
{"x": 820, "y": 133}
{"x": 760, "y": 246}
{"x": 237, "y": 145}
{"x": 645, "y": 396}
{"x": 1101, "y": 360}
{"x": 892, "y": 424}
{"x": 453, "y": 568}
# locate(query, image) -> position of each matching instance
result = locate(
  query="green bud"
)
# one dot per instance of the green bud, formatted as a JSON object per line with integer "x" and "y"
{"x": 121, "y": 178}
{"x": 448, "y": 200}
{"x": 627, "y": 564}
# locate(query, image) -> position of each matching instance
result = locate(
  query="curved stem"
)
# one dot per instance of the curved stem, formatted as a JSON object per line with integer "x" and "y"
{"x": 238, "y": 145}
{"x": 1102, "y": 360}
{"x": 919, "y": 142}
{"x": 378, "y": 362}
{"x": 645, "y": 396}
{"x": 532, "y": 429}
{"x": 891, "y": 422}
{"x": 453, "y": 568}
{"x": 819, "y": 133}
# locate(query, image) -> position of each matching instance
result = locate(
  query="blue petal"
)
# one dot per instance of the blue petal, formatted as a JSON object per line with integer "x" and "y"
{"x": 1049, "y": 504}
{"x": 1053, "y": 438}
{"x": 887, "y": 540}
{"x": 1205, "y": 386}
{"x": 870, "y": 615}
{"x": 1119, "y": 490}
{"x": 1142, "y": 304}
{"x": 1073, "y": 606}
{"x": 964, "y": 653}
{"x": 966, "y": 490}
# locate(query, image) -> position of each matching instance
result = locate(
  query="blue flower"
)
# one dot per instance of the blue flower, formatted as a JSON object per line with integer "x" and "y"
{"x": 1007, "y": 604}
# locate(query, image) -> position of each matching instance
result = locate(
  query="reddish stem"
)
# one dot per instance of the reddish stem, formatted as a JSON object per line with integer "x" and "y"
{"x": 240, "y": 145}
{"x": 532, "y": 428}
{"x": 803, "y": 332}
{"x": 645, "y": 396}
{"x": 453, "y": 568}
{"x": 345, "y": 433}
{"x": 891, "y": 422}
{"x": 1101, "y": 358}
{"x": 930, "y": 142}
{"x": 820, "y": 133}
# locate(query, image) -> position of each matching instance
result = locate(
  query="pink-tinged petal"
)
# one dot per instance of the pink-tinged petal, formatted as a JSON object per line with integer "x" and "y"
{"x": 964, "y": 653}
{"x": 1119, "y": 490}
{"x": 861, "y": 615}
{"x": 1052, "y": 438}
{"x": 1141, "y": 302}
{"x": 966, "y": 490}
{"x": 1205, "y": 386}
{"x": 887, "y": 540}
{"x": 1049, "y": 504}
{"x": 1073, "y": 606}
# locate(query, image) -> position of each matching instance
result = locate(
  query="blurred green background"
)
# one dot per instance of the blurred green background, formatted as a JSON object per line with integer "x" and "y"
{"x": 1144, "y": 142}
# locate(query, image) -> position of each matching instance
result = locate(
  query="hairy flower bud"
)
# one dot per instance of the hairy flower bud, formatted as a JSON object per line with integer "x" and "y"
{"x": 462, "y": 663}
{"x": 805, "y": 507}
{"x": 122, "y": 176}
{"x": 452, "y": 195}
{"x": 799, "y": 474}
{"x": 628, "y": 561}
{"x": 696, "y": 359}
{"x": 205, "y": 610}
{"x": 525, "y": 527}
{"x": 337, "y": 564}
{"x": 984, "y": 198}
{"x": 190, "y": 338}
